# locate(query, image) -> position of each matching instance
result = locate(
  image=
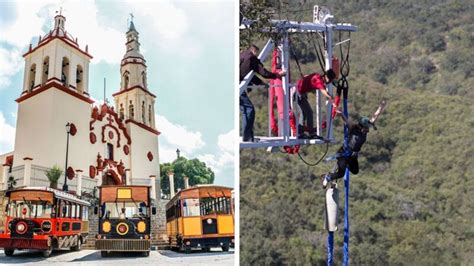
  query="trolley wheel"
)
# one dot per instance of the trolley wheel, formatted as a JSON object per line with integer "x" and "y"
{"x": 104, "y": 253}
{"x": 186, "y": 249}
{"x": 146, "y": 253}
{"x": 225, "y": 248}
{"x": 78, "y": 246}
{"x": 47, "y": 252}
{"x": 9, "y": 252}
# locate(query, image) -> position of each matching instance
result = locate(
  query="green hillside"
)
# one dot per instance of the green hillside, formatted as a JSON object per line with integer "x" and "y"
{"x": 411, "y": 203}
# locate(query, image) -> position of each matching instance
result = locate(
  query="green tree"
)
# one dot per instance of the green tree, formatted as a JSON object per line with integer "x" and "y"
{"x": 195, "y": 170}
{"x": 53, "y": 175}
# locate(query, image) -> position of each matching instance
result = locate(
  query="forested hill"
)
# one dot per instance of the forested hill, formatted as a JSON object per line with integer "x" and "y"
{"x": 411, "y": 203}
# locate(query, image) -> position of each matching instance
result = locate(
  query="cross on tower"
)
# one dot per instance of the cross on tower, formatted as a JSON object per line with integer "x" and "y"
{"x": 131, "y": 17}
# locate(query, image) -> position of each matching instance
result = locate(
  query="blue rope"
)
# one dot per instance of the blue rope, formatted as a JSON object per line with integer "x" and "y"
{"x": 330, "y": 247}
{"x": 346, "y": 192}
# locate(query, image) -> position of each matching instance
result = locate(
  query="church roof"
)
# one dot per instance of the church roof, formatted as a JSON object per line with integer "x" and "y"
{"x": 58, "y": 33}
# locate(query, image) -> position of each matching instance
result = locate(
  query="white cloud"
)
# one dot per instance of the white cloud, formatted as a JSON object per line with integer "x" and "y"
{"x": 7, "y": 136}
{"x": 10, "y": 64}
{"x": 176, "y": 136}
{"x": 28, "y": 23}
{"x": 226, "y": 141}
{"x": 105, "y": 43}
{"x": 224, "y": 159}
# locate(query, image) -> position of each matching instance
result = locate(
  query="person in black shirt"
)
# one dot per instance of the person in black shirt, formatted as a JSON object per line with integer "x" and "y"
{"x": 248, "y": 62}
{"x": 347, "y": 157}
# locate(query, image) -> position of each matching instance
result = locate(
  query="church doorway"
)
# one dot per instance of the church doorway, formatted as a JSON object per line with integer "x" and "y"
{"x": 111, "y": 178}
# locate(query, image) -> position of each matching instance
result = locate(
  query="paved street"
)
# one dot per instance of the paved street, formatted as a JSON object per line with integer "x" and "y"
{"x": 92, "y": 257}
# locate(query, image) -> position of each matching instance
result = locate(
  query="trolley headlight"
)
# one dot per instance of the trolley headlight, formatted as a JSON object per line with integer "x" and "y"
{"x": 122, "y": 228}
{"x": 209, "y": 221}
{"x": 46, "y": 226}
{"x": 188, "y": 243}
{"x": 141, "y": 227}
{"x": 106, "y": 226}
{"x": 21, "y": 227}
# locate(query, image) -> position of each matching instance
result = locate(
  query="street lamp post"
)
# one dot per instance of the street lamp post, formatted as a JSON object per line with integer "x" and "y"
{"x": 68, "y": 130}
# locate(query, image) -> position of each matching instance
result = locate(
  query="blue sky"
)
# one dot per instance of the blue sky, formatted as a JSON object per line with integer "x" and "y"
{"x": 189, "y": 48}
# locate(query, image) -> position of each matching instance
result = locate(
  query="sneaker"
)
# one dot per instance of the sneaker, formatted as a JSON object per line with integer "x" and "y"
{"x": 303, "y": 136}
{"x": 315, "y": 136}
{"x": 325, "y": 181}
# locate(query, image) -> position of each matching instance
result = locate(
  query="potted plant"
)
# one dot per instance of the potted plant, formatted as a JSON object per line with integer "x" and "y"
{"x": 11, "y": 182}
{"x": 53, "y": 175}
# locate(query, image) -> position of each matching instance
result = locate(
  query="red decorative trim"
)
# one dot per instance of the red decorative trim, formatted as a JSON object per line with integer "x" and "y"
{"x": 100, "y": 116}
{"x": 85, "y": 92}
{"x": 133, "y": 63}
{"x": 9, "y": 160}
{"x": 111, "y": 134}
{"x": 126, "y": 149}
{"x": 92, "y": 137}
{"x": 134, "y": 87}
{"x": 149, "y": 155}
{"x": 5, "y": 164}
{"x": 62, "y": 39}
{"x": 134, "y": 57}
{"x": 152, "y": 130}
{"x": 153, "y": 176}
{"x": 74, "y": 87}
{"x": 70, "y": 173}
{"x": 92, "y": 171}
{"x": 103, "y": 134}
{"x": 73, "y": 129}
{"x": 56, "y": 86}
{"x": 28, "y": 158}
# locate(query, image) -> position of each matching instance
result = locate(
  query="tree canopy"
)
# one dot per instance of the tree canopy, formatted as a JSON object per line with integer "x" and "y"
{"x": 195, "y": 170}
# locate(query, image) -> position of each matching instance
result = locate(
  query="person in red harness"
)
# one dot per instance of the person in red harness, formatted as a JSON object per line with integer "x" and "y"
{"x": 311, "y": 83}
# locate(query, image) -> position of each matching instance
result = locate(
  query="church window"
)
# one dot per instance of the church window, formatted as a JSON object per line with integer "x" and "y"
{"x": 79, "y": 78}
{"x": 31, "y": 81}
{"x": 143, "y": 112}
{"x": 110, "y": 151}
{"x": 131, "y": 110}
{"x": 44, "y": 77}
{"x": 144, "y": 79}
{"x": 125, "y": 80}
{"x": 65, "y": 71}
{"x": 121, "y": 112}
{"x": 149, "y": 114}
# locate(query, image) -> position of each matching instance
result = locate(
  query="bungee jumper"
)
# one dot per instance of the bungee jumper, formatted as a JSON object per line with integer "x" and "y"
{"x": 248, "y": 62}
{"x": 347, "y": 155}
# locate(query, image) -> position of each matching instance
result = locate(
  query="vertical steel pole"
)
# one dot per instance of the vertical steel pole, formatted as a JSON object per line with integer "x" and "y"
{"x": 286, "y": 90}
{"x": 328, "y": 61}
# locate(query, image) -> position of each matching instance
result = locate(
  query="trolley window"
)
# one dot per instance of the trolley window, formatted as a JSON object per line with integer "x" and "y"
{"x": 191, "y": 207}
{"x": 30, "y": 209}
{"x": 124, "y": 210}
{"x": 215, "y": 206}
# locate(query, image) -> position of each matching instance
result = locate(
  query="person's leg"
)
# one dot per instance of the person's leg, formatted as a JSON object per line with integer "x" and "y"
{"x": 248, "y": 117}
{"x": 354, "y": 165}
{"x": 339, "y": 169}
{"x": 307, "y": 112}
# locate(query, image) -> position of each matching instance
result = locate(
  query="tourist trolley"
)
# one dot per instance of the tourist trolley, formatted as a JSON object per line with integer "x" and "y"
{"x": 124, "y": 219}
{"x": 201, "y": 217}
{"x": 44, "y": 219}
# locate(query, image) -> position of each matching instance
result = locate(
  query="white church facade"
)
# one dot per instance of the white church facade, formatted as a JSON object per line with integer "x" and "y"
{"x": 107, "y": 144}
